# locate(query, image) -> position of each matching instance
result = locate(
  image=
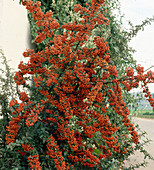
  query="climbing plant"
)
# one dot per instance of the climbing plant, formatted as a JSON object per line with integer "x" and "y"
{"x": 73, "y": 115}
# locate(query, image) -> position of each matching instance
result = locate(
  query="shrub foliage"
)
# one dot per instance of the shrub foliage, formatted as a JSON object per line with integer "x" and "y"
{"x": 73, "y": 114}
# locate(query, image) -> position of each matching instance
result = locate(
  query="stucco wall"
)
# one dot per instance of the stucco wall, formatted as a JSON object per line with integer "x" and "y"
{"x": 14, "y": 31}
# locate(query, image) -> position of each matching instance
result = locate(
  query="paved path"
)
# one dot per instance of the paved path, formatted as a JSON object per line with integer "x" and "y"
{"x": 148, "y": 126}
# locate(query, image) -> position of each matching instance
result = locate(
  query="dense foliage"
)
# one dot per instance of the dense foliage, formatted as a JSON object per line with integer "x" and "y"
{"x": 73, "y": 115}
{"x": 117, "y": 38}
{"x": 8, "y": 90}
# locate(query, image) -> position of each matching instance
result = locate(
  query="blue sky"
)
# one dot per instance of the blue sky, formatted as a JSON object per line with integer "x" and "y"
{"x": 136, "y": 11}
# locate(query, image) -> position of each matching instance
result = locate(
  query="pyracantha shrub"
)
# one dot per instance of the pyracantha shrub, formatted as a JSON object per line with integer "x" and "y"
{"x": 74, "y": 90}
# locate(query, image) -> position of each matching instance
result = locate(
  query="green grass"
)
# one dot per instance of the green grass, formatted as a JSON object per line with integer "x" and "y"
{"x": 143, "y": 114}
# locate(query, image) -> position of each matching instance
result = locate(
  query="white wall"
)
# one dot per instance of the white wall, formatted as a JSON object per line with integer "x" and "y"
{"x": 14, "y": 31}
